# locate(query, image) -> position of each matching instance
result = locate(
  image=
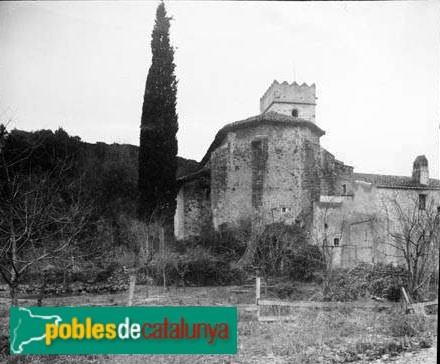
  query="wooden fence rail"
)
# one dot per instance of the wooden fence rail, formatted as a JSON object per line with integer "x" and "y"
{"x": 314, "y": 304}
{"x": 418, "y": 308}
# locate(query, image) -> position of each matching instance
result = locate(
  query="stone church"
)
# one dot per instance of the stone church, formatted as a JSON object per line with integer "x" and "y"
{"x": 271, "y": 168}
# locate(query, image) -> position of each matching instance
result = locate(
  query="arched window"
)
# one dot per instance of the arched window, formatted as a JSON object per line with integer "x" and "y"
{"x": 295, "y": 113}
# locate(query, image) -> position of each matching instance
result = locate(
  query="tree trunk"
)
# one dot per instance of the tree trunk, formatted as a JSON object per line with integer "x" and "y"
{"x": 252, "y": 243}
{"x": 13, "y": 288}
{"x": 162, "y": 248}
{"x": 42, "y": 290}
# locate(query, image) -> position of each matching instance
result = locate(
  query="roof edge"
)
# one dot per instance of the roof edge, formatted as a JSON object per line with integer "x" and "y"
{"x": 400, "y": 182}
{"x": 202, "y": 172}
{"x": 271, "y": 118}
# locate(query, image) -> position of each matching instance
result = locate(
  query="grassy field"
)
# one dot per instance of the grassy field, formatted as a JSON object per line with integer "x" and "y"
{"x": 314, "y": 336}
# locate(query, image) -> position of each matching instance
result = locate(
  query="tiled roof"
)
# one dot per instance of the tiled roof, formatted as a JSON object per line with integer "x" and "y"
{"x": 204, "y": 172}
{"x": 270, "y": 118}
{"x": 388, "y": 181}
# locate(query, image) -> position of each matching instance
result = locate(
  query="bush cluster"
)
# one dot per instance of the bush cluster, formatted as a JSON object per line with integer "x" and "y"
{"x": 284, "y": 290}
{"x": 194, "y": 267}
{"x": 305, "y": 263}
{"x": 282, "y": 250}
{"x": 210, "y": 259}
{"x": 380, "y": 280}
{"x": 112, "y": 278}
{"x": 89, "y": 273}
{"x": 406, "y": 325}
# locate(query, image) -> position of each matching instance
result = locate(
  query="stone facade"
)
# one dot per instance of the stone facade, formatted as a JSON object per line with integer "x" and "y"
{"x": 358, "y": 227}
{"x": 271, "y": 168}
{"x": 193, "y": 210}
{"x": 255, "y": 171}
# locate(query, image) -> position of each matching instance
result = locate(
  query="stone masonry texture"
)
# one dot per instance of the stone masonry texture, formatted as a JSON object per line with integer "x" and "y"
{"x": 271, "y": 168}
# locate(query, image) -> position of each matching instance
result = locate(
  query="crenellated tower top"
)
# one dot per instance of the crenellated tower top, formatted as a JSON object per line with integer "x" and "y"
{"x": 290, "y": 99}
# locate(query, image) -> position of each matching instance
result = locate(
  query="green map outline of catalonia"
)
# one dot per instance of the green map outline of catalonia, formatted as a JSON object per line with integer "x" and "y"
{"x": 39, "y": 338}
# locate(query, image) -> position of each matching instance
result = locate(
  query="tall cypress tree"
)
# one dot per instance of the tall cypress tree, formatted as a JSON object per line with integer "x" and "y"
{"x": 158, "y": 143}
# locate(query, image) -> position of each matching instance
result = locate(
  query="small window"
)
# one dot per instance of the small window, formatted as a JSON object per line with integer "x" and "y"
{"x": 295, "y": 113}
{"x": 422, "y": 202}
{"x": 285, "y": 209}
{"x": 325, "y": 226}
{"x": 438, "y": 209}
{"x": 344, "y": 189}
{"x": 336, "y": 241}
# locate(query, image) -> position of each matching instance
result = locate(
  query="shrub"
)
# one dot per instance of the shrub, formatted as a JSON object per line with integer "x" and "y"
{"x": 343, "y": 287}
{"x": 234, "y": 275}
{"x": 4, "y": 345}
{"x": 201, "y": 268}
{"x": 106, "y": 273}
{"x": 168, "y": 263}
{"x": 228, "y": 243}
{"x": 305, "y": 262}
{"x": 197, "y": 267}
{"x": 276, "y": 247}
{"x": 379, "y": 280}
{"x": 284, "y": 290}
{"x": 401, "y": 325}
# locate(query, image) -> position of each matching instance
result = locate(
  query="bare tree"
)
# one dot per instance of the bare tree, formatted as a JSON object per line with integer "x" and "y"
{"x": 147, "y": 239}
{"x": 414, "y": 233}
{"x": 251, "y": 236}
{"x": 40, "y": 218}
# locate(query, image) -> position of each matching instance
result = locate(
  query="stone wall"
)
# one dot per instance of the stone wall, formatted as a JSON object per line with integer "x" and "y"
{"x": 305, "y": 111}
{"x": 351, "y": 219}
{"x": 334, "y": 175}
{"x": 179, "y": 216}
{"x": 220, "y": 167}
{"x": 270, "y": 173}
{"x": 265, "y": 170}
{"x": 259, "y": 170}
{"x": 363, "y": 221}
{"x": 52, "y": 285}
{"x": 388, "y": 201}
{"x": 193, "y": 211}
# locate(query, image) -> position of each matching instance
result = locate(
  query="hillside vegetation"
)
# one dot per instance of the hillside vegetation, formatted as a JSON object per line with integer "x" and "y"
{"x": 100, "y": 180}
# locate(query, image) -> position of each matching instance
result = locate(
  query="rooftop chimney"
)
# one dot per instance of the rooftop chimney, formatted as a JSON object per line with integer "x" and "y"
{"x": 420, "y": 173}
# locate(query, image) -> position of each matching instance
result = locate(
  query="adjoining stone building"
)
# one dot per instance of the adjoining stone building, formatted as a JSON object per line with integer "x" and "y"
{"x": 271, "y": 168}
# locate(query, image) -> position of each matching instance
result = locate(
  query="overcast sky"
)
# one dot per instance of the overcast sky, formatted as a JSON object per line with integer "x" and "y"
{"x": 83, "y": 65}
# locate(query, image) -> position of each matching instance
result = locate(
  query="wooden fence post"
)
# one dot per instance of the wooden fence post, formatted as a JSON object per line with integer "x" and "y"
{"x": 257, "y": 295}
{"x": 131, "y": 288}
{"x": 162, "y": 250}
{"x": 257, "y": 289}
{"x": 405, "y": 296}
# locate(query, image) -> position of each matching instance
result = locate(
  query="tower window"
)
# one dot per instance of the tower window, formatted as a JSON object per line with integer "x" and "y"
{"x": 422, "y": 202}
{"x": 295, "y": 113}
{"x": 336, "y": 241}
